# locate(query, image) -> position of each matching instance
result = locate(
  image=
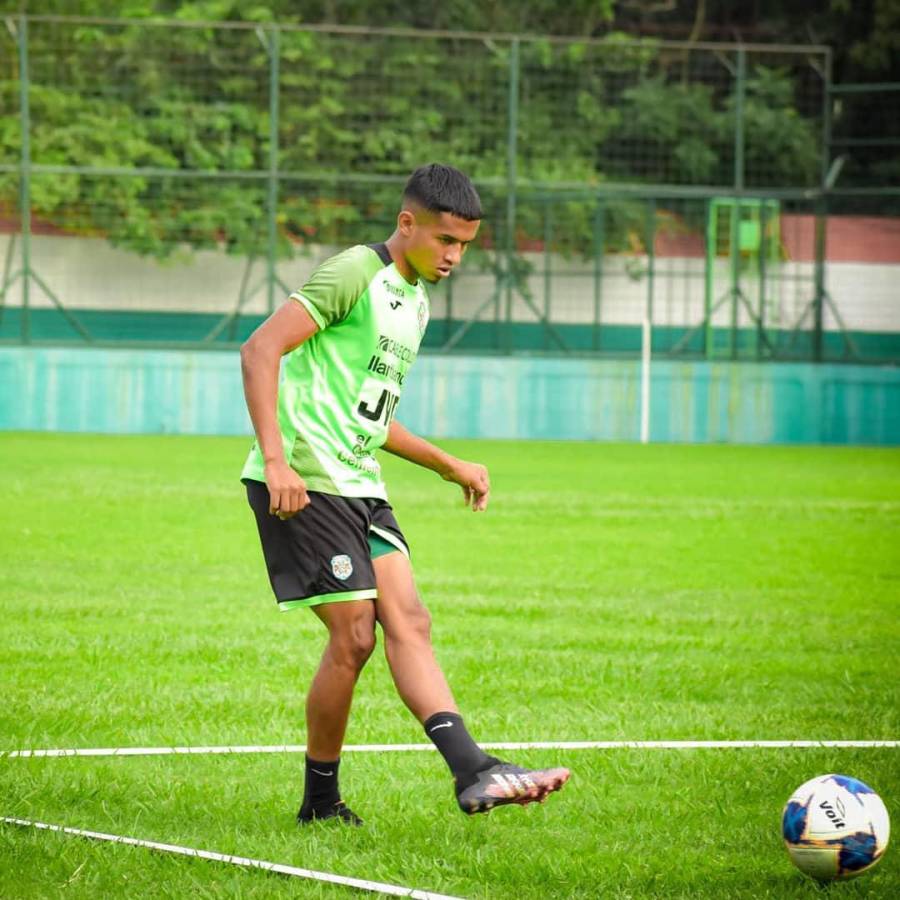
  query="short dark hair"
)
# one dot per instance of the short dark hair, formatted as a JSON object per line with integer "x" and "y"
{"x": 444, "y": 189}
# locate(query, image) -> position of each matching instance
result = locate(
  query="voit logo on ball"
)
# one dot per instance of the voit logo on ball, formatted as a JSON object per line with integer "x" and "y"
{"x": 835, "y": 827}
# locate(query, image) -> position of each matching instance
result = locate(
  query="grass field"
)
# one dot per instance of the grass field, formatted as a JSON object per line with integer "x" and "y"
{"x": 611, "y": 593}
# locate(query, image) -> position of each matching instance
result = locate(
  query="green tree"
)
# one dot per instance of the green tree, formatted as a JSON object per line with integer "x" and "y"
{"x": 357, "y": 113}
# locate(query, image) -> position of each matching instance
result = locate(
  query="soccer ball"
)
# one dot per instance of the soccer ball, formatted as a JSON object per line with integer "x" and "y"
{"x": 835, "y": 827}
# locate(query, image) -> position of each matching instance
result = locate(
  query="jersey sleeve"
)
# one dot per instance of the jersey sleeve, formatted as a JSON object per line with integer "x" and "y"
{"x": 334, "y": 287}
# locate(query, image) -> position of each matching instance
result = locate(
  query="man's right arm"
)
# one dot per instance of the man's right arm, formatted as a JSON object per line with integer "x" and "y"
{"x": 287, "y": 328}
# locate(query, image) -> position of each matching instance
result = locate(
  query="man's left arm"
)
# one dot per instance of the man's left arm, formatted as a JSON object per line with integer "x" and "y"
{"x": 471, "y": 477}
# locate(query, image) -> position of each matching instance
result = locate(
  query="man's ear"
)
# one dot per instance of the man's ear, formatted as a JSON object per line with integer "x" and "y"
{"x": 406, "y": 222}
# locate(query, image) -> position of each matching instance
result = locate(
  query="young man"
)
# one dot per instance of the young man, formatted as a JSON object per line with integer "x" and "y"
{"x": 329, "y": 537}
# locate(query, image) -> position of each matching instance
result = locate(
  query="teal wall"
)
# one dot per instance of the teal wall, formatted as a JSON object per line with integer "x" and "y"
{"x": 199, "y": 392}
{"x": 182, "y": 328}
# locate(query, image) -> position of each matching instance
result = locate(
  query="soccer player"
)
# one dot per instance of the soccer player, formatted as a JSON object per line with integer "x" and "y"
{"x": 330, "y": 539}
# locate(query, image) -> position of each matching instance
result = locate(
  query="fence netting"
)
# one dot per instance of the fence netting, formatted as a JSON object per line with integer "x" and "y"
{"x": 178, "y": 181}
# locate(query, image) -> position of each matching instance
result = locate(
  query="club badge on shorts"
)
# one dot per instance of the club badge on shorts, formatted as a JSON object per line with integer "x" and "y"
{"x": 341, "y": 566}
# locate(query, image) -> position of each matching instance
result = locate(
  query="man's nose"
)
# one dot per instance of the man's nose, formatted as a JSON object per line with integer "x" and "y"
{"x": 453, "y": 254}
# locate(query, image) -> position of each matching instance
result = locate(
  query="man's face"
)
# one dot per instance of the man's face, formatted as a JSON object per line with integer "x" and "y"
{"x": 435, "y": 242}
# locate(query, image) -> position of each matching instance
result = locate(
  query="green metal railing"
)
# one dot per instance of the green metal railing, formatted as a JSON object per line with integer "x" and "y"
{"x": 274, "y": 144}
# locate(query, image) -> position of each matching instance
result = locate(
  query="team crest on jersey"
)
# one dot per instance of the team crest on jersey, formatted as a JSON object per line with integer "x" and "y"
{"x": 341, "y": 566}
{"x": 423, "y": 318}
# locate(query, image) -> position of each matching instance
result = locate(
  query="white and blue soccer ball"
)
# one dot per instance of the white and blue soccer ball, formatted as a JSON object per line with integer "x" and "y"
{"x": 835, "y": 827}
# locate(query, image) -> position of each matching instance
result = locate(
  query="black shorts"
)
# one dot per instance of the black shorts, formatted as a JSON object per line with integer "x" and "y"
{"x": 324, "y": 553}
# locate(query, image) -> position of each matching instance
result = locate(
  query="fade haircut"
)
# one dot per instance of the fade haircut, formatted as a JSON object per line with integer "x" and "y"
{"x": 440, "y": 189}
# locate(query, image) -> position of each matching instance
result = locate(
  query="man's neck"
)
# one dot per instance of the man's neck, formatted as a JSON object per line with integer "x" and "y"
{"x": 395, "y": 247}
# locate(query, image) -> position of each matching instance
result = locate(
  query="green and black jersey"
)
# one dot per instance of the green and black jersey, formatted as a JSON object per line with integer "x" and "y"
{"x": 339, "y": 390}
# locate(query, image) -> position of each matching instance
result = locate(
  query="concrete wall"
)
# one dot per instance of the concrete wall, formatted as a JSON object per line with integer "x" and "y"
{"x": 176, "y": 391}
{"x": 88, "y": 273}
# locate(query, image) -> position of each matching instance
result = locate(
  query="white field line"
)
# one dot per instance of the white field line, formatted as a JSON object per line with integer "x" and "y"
{"x": 358, "y": 883}
{"x": 506, "y": 745}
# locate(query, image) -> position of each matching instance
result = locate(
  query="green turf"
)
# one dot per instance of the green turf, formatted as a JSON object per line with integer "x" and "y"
{"x": 611, "y": 592}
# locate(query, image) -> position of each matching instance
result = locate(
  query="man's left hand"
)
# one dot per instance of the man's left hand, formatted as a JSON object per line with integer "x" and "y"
{"x": 474, "y": 481}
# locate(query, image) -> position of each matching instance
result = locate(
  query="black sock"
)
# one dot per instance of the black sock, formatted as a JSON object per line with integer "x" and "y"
{"x": 320, "y": 785}
{"x": 455, "y": 744}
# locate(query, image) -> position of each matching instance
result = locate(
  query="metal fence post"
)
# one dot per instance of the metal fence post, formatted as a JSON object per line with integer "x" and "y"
{"x": 826, "y": 117}
{"x": 25, "y": 175}
{"x": 821, "y": 216}
{"x": 761, "y": 271}
{"x": 819, "y": 275}
{"x": 599, "y": 241}
{"x": 739, "y": 94}
{"x": 511, "y": 176}
{"x": 448, "y": 321}
{"x": 734, "y": 241}
{"x": 740, "y": 87}
{"x": 712, "y": 211}
{"x": 272, "y": 203}
{"x": 647, "y": 325}
{"x": 548, "y": 261}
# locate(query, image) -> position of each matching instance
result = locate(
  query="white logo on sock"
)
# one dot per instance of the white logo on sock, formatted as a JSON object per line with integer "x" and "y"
{"x": 442, "y": 725}
{"x": 329, "y": 772}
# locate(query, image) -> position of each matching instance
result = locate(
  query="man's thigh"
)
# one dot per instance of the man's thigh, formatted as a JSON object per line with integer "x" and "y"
{"x": 320, "y": 555}
{"x": 353, "y": 621}
{"x": 397, "y": 605}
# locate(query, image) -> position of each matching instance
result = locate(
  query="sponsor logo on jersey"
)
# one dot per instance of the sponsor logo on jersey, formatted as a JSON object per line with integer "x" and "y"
{"x": 382, "y": 410}
{"x": 380, "y": 367}
{"x": 342, "y": 566}
{"x": 361, "y": 447}
{"x": 393, "y": 289}
{"x": 366, "y": 464}
{"x": 401, "y": 351}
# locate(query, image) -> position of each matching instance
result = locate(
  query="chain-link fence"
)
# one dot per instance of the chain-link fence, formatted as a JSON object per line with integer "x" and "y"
{"x": 172, "y": 182}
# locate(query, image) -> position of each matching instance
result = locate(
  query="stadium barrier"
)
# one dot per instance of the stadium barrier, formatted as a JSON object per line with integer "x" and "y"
{"x": 128, "y": 391}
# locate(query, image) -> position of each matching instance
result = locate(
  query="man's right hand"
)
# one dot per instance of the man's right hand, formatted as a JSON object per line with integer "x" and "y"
{"x": 287, "y": 490}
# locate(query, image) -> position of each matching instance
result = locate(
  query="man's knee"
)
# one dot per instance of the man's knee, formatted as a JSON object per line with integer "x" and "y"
{"x": 353, "y": 646}
{"x": 420, "y": 621}
{"x": 411, "y": 622}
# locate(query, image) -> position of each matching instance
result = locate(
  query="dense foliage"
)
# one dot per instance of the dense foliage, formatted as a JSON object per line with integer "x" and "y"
{"x": 357, "y": 112}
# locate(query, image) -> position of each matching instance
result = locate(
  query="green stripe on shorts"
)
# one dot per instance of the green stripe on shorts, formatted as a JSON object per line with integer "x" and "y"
{"x": 378, "y": 546}
{"x": 339, "y": 596}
